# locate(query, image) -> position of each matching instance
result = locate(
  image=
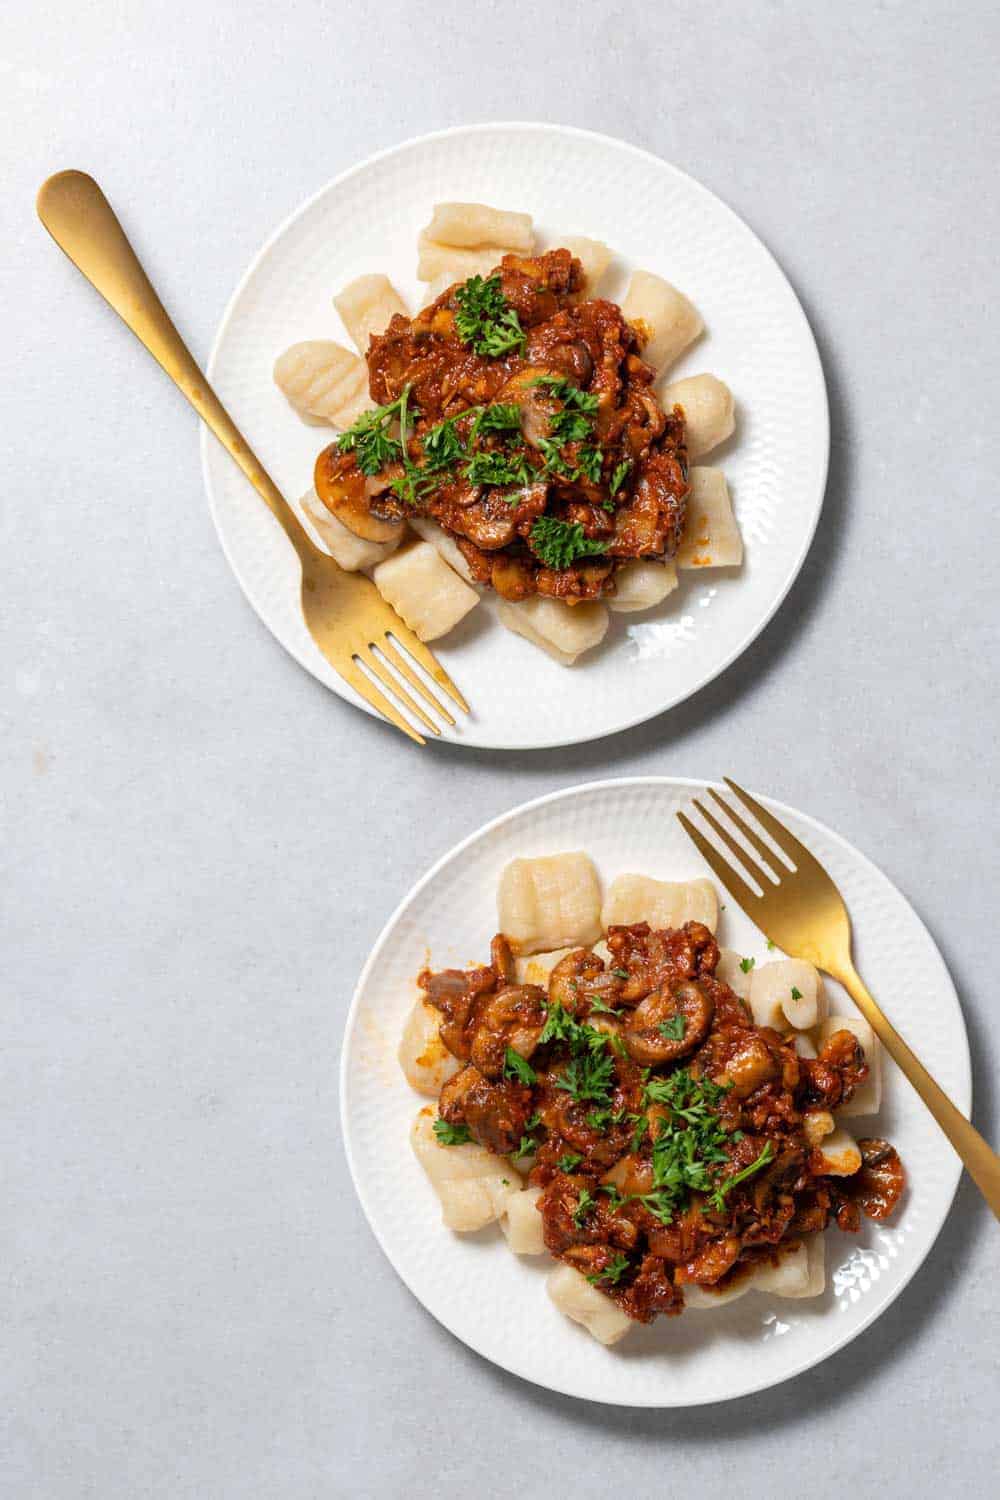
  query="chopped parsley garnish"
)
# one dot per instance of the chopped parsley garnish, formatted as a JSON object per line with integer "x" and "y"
{"x": 589, "y": 461}
{"x": 640, "y": 1131}
{"x": 451, "y": 1135}
{"x": 615, "y": 1199}
{"x": 619, "y": 475}
{"x": 613, "y": 1271}
{"x": 499, "y": 469}
{"x": 525, "y": 1148}
{"x": 571, "y": 396}
{"x": 597, "y": 1005}
{"x": 728, "y": 1183}
{"x": 620, "y": 973}
{"x": 569, "y": 426}
{"x": 588, "y": 1077}
{"x": 673, "y": 1029}
{"x": 796, "y": 994}
{"x": 584, "y": 1204}
{"x": 689, "y": 1145}
{"x": 551, "y": 451}
{"x": 600, "y": 1119}
{"x": 369, "y": 437}
{"x": 442, "y": 445}
{"x": 485, "y": 319}
{"x": 500, "y": 417}
{"x": 560, "y": 543}
{"x": 569, "y": 1162}
{"x": 516, "y": 1066}
{"x": 746, "y": 964}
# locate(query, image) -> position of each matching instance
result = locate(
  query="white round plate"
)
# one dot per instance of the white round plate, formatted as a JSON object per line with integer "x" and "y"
{"x": 653, "y": 216}
{"x": 496, "y": 1302}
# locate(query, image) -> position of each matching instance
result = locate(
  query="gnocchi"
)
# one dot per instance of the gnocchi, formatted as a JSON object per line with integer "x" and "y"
{"x": 351, "y": 551}
{"x": 550, "y": 902}
{"x": 522, "y": 1223}
{"x": 471, "y": 225}
{"x": 594, "y": 258}
{"x": 423, "y": 590}
{"x": 423, "y": 1057}
{"x": 711, "y": 536}
{"x": 642, "y": 584}
{"x": 661, "y": 903}
{"x": 367, "y": 305}
{"x": 564, "y": 631}
{"x": 323, "y": 381}
{"x": 574, "y": 1296}
{"x": 473, "y": 1185}
{"x": 867, "y": 1097}
{"x": 665, "y": 316}
{"x": 708, "y": 411}
{"x": 458, "y": 264}
{"x": 787, "y": 991}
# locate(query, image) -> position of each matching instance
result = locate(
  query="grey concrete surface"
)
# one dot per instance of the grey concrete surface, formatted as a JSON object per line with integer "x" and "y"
{"x": 200, "y": 844}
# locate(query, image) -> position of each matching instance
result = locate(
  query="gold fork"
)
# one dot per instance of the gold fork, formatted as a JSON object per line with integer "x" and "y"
{"x": 346, "y": 615}
{"x": 802, "y": 911}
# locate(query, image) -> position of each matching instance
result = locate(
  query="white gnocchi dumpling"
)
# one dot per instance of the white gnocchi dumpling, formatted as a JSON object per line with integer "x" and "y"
{"x": 574, "y": 1296}
{"x": 867, "y": 1098}
{"x": 472, "y": 225}
{"x": 436, "y": 287}
{"x": 707, "y": 1298}
{"x": 661, "y": 903}
{"x": 840, "y": 1152}
{"x": 553, "y": 901}
{"x": 535, "y": 968}
{"x": 708, "y": 411}
{"x": 522, "y": 1223}
{"x": 352, "y": 552}
{"x": 564, "y": 631}
{"x": 735, "y": 970}
{"x": 424, "y": 591}
{"x": 323, "y": 381}
{"x": 367, "y": 305}
{"x": 640, "y": 584}
{"x": 473, "y": 1185}
{"x": 798, "y": 1273}
{"x": 665, "y": 316}
{"x": 434, "y": 259}
{"x": 787, "y": 992}
{"x": 802, "y": 1044}
{"x": 442, "y": 541}
{"x": 423, "y": 1056}
{"x": 711, "y": 536}
{"x": 594, "y": 257}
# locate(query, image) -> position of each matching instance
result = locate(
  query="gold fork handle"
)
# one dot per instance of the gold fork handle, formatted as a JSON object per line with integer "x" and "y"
{"x": 83, "y": 224}
{"x": 981, "y": 1161}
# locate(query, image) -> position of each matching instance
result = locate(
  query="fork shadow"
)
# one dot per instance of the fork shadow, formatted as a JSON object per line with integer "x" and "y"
{"x": 743, "y": 676}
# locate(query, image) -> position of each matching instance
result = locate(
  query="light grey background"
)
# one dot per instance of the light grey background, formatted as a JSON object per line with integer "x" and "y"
{"x": 201, "y": 843}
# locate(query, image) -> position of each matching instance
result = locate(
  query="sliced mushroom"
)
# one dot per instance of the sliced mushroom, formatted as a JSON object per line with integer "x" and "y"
{"x": 349, "y": 495}
{"x": 654, "y": 1034}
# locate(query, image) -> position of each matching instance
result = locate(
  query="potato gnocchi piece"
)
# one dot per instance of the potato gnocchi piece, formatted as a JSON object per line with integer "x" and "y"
{"x": 423, "y": 1056}
{"x": 665, "y": 316}
{"x": 436, "y": 287}
{"x": 574, "y": 1296}
{"x": 550, "y": 902}
{"x": 435, "y": 260}
{"x": 535, "y": 968}
{"x": 661, "y": 903}
{"x": 788, "y": 1278}
{"x": 323, "y": 381}
{"x": 711, "y": 536}
{"x": 472, "y": 225}
{"x": 429, "y": 531}
{"x": 473, "y": 1185}
{"x": 708, "y": 411}
{"x": 706, "y": 1298}
{"x": 424, "y": 591}
{"x": 641, "y": 584}
{"x": 593, "y": 256}
{"x": 564, "y": 631}
{"x": 352, "y": 552}
{"x": 731, "y": 971}
{"x": 840, "y": 1152}
{"x": 867, "y": 1099}
{"x": 803, "y": 1043}
{"x": 367, "y": 305}
{"x": 522, "y": 1223}
{"x": 787, "y": 991}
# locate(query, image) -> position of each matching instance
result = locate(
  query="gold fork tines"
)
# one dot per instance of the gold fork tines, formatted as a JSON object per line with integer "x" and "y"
{"x": 362, "y": 638}
{"x": 802, "y": 911}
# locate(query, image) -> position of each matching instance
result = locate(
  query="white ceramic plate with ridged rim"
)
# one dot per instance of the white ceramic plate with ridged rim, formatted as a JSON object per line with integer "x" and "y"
{"x": 495, "y": 1301}
{"x": 655, "y": 217}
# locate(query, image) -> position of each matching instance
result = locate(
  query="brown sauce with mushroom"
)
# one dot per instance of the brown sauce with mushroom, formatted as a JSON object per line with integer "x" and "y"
{"x": 664, "y": 1128}
{"x": 584, "y": 444}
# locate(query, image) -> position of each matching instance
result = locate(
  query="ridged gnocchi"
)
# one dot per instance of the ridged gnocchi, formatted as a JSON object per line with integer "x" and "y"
{"x": 522, "y": 1223}
{"x": 867, "y": 1097}
{"x": 429, "y": 531}
{"x": 661, "y": 903}
{"x": 550, "y": 902}
{"x": 352, "y": 552}
{"x": 564, "y": 631}
{"x": 423, "y": 590}
{"x": 709, "y": 416}
{"x": 323, "y": 381}
{"x": 664, "y": 315}
{"x": 711, "y": 536}
{"x": 474, "y": 1186}
{"x": 641, "y": 585}
{"x": 789, "y": 990}
{"x": 574, "y": 1296}
{"x": 367, "y": 305}
{"x": 470, "y": 225}
{"x": 423, "y": 1057}
{"x": 594, "y": 258}
{"x": 434, "y": 259}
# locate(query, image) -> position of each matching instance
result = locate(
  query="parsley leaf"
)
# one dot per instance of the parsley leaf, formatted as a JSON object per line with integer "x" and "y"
{"x": 571, "y": 396}
{"x": 588, "y": 1078}
{"x": 501, "y": 417}
{"x": 620, "y": 973}
{"x": 442, "y": 445}
{"x": 499, "y": 469}
{"x": 589, "y": 462}
{"x": 619, "y": 475}
{"x": 369, "y": 437}
{"x": 584, "y": 1204}
{"x": 598, "y": 1006}
{"x": 796, "y": 994}
{"x": 673, "y": 1029}
{"x": 525, "y": 1148}
{"x": 451, "y": 1135}
{"x": 560, "y": 543}
{"x": 613, "y": 1271}
{"x": 485, "y": 319}
{"x": 569, "y": 1162}
{"x": 746, "y": 964}
{"x": 516, "y": 1066}
{"x": 728, "y": 1183}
